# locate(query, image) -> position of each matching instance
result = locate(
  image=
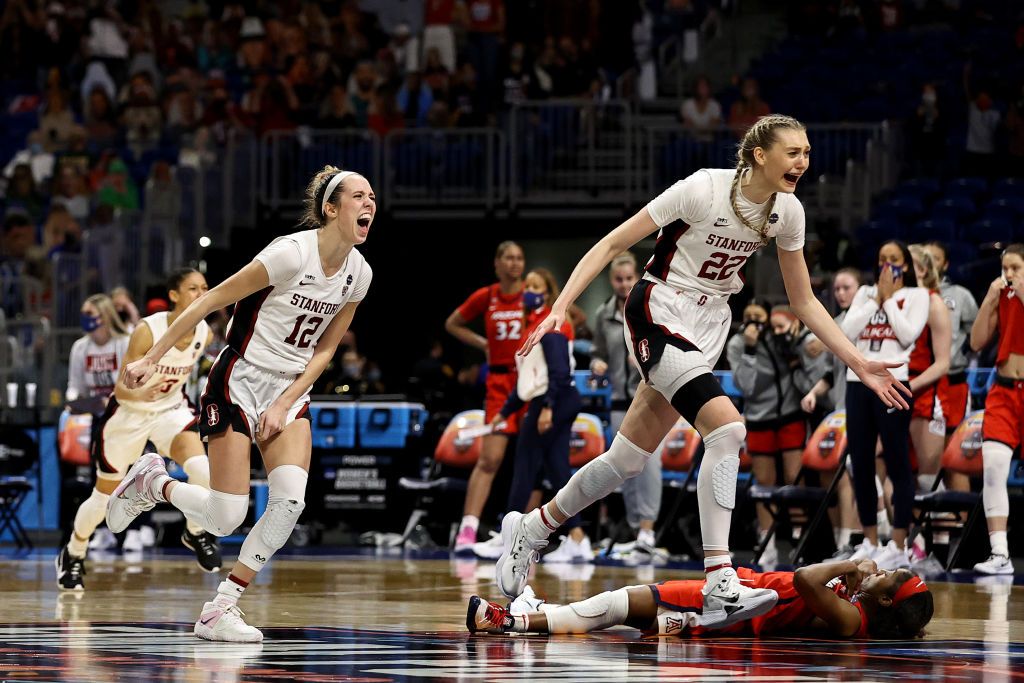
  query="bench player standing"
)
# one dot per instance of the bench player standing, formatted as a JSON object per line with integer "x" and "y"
{"x": 296, "y": 300}
{"x": 501, "y": 304}
{"x": 677, "y": 320}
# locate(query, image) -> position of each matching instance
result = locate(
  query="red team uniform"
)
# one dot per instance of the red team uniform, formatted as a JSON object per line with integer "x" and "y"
{"x": 505, "y": 330}
{"x": 929, "y": 402}
{"x": 789, "y": 615}
{"x": 1004, "y": 406}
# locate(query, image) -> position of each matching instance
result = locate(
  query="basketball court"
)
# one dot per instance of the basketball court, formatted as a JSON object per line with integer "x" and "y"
{"x": 374, "y": 616}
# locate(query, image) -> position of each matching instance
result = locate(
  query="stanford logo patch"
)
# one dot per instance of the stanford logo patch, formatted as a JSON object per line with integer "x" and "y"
{"x": 643, "y": 347}
{"x": 212, "y": 415}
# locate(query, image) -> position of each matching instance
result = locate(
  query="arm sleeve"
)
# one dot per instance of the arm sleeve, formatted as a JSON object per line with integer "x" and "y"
{"x": 689, "y": 200}
{"x": 76, "y": 371}
{"x": 791, "y": 236}
{"x": 282, "y": 259}
{"x": 512, "y": 404}
{"x": 908, "y": 322}
{"x": 475, "y": 305}
{"x": 555, "y": 347}
{"x": 863, "y": 307}
{"x": 363, "y": 283}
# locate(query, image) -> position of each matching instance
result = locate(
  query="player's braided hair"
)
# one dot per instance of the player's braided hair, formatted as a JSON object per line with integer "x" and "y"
{"x": 761, "y": 134}
{"x": 313, "y": 216}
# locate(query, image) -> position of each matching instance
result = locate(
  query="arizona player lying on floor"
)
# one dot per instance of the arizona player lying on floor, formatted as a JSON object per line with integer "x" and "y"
{"x": 849, "y": 600}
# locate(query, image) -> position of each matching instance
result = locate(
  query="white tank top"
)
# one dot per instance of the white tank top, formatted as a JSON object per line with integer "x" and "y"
{"x": 174, "y": 368}
{"x": 702, "y": 245}
{"x": 278, "y": 327}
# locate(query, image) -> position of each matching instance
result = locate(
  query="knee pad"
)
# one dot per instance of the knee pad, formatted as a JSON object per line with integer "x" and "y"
{"x": 694, "y": 394}
{"x": 598, "y": 612}
{"x": 994, "y": 496}
{"x": 722, "y": 462}
{"x": 625, "y": 457}
{"x": 197, "y": 468}
{"x": 285, "y": 505}
{"x": 225, "y": 512}
{"x": 599, "y": 477}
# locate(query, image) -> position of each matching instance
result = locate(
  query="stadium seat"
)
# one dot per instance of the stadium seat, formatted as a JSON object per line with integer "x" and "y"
{"x": 1008, "y": 188}
{"x": 908, "y": 209}
{"x": 990, "y": 230}
{"x": 941, "y": 229}
{"x": 966, "y": 187}
{"x": 957, "y": 209}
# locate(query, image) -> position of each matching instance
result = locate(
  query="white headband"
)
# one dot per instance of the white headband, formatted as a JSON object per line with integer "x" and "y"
{"x": 331, "y": 185}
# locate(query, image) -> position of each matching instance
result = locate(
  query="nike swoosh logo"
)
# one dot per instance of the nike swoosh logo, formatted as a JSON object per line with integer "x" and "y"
{"x": 304, "y": 282}
{"x": 204, "y": 622}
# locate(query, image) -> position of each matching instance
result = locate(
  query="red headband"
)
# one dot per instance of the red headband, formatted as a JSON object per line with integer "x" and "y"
{"x": 913, "y": 586}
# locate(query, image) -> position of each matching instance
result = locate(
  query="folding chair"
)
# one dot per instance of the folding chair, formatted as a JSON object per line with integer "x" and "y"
{"x": 963, "y": 455}
{"x": 18, "y": 454}
{"x": 824, "y": 452}
{"x": 451, "y": 451}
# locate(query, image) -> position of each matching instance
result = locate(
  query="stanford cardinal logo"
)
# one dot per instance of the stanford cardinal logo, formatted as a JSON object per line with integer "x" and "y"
{"x": 212, "y": 415}
{"x": 645, "y": 351}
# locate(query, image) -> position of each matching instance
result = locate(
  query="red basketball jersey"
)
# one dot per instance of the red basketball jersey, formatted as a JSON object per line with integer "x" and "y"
{"x": 1011, "y": 325}
{"x": 503, "y": 322}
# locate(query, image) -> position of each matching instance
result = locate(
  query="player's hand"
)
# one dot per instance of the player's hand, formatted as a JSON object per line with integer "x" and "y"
{"x": 876, "y": 376}
{"x": 497, "y": 421}
{"x": 138, "y": 372}
{"x": 598, "y": 367}
{"x": 552, "y": 322}
{"x": 809, "y": 402}
{"x": 271, "y": 421}
{"x": 886, "y": 284}
{"x": 997, "y": 286}
{"x": 544, "y": 421}
{"x": 751, "y": 332}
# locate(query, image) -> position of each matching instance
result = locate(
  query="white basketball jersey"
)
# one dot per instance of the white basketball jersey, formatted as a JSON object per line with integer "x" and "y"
{"x": 278, "y": 327}
{"x": 93, "y": 368}
{"x": 174, "y": 368}
{"x": 702, "y": 244}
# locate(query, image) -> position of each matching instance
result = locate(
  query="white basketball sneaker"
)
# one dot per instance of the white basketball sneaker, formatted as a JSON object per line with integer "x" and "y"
{"x": 519, "y": 553}
{"x": 225, "y": 624}
{"x": 133, "y": 496}
{"x": 728, "y": 601}
{"x": 995, "y": 564}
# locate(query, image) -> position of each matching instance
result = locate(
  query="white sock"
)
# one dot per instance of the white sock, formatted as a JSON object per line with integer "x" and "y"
{"x": 842, "y": 536}
{"x": 997, "y": 539}
{"x": 719, "y": 563}
{"x": 925, "y": 482}
{"x": 539, "y": 523}
{"x": 89, "y": 516}
{"x": 471, "y": 521}
{"x": 645, "y": 537}
{"x": 884, "y": 526}
{"x": 228, "y": 592}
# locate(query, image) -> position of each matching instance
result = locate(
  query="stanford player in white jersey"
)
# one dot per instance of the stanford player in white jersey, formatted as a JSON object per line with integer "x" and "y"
{"x": 156, "y": 412}
{"x": 295, "y": 301}
{"x": 677, "y": 320}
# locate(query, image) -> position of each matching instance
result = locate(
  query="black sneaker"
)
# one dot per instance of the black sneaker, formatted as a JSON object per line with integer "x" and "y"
{"x": 70, "y": 570}
{"x": 206, "y": 548}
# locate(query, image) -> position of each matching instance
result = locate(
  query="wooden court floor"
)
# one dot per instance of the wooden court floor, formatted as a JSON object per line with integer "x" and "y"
{"x": 376, "y": 618}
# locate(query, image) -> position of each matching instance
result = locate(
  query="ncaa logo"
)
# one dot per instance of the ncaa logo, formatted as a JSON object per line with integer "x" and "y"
{"x": 212, "y": 415}
{"x": 644, "y": 349}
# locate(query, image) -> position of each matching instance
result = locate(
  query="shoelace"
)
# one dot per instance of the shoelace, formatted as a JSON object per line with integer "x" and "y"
{"x": 532, "y": 555}
{"x": 205, "y": 544}
{"x": 77, "y": 568}
{"x": 496, "y": 616}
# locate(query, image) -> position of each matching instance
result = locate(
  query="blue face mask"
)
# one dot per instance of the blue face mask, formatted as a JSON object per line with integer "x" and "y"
{"x": 90, "y": 323}
{"x": 533, "y": 300}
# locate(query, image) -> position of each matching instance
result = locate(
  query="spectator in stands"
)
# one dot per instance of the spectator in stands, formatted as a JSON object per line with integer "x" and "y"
{"x": 701, "y": 113}
{"x": 71, "y": 192}
{"x": 114, "y": 185}
{"x": 435, "y": 74}
{"x": 963, "y": 311}
{"x": 163, "y": 198}
{"x": 1002, "y": 313}
{"x": 183, "y": 115}
{"x": 517, "y": 81}
{"x": 926, "y": 134}
{"x": 552, "y": 402}
{"x": 100, "y": 118}
{"x": 466, "y": 99}
{"x": 928, "y": 367}
{"x": 406, "y": 48}
{"x": 336, "y": 112}
{"x": 440, "y": 19}
{"x": 270, "y": 105}
{"x": 385, "y": 116}
{"x": 23, "y": 194}
{"x": 126, "y": 309}
{"x": 484, "y": 31}
{"x": 610, "y": 358}
{"x": 884, "y": 321}
{"x": 983, "y": 121}
{"x": 361, "y": 89}
{"x": 18, "y": 239}
{"x": 772, "y": 369}
{"x": 56, "y": 123}
{"x": 749, "y": 108}
{"x": 61, "y": 232}
{"x": 414, "y": 100}
{"x": 141, "y": 117}
{"x": 574, "y": 75}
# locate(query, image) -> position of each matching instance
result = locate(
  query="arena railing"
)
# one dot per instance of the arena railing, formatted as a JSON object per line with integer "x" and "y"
{"x": 461, "y": 167}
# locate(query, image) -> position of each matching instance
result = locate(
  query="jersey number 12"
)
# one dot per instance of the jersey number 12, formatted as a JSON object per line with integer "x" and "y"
{"x": 303, "y": 338}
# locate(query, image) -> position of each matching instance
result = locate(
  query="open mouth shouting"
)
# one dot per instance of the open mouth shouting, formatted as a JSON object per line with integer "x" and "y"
{"x": 790, "y": 179}
{"x": 363, "y": 221}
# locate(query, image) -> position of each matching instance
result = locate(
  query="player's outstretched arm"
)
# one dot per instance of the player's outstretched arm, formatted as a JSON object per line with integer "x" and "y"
{"x": 248, "y": 280}
{"x": 634, "y": 229}
{"x": 873, "y": 374}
